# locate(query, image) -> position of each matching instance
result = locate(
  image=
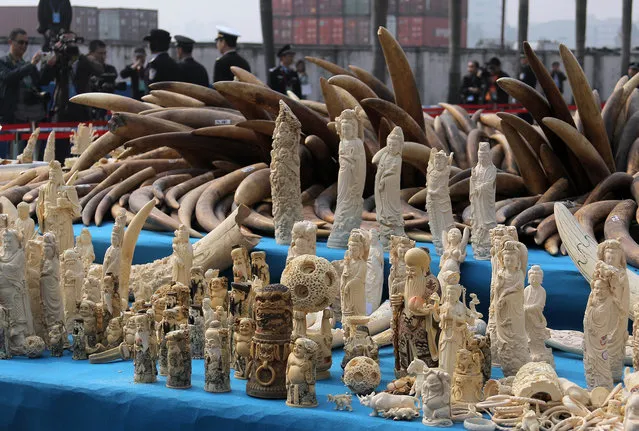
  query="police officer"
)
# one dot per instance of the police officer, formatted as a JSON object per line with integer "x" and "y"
{"x": 283, "y": 77}
{"x": 192, "y": 71}
{"x": 161, "y": 66}
{"x": 226, "y": 43}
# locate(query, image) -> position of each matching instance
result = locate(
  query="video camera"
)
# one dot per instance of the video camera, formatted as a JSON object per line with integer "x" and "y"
{"x": 105, "y": 83}
{"x": 66, "y": 45}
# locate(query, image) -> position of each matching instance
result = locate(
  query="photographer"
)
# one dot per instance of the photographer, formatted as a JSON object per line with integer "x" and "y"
{"x": 20, "y": 97}
{"x": 53, "y": 16}
{"x": 135, "y": 71}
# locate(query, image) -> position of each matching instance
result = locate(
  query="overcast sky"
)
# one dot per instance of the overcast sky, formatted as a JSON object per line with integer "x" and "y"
{"x": 197, "y": 18}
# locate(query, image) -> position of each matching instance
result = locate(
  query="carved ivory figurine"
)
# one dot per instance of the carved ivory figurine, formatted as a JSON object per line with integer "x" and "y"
{"x": 482, "y": 202}
{"x": 300, "y": 374}
{"x": 242, "y": 347}
{"x": 303, "y": 239}
{"x": 388, "y": 204}
{"x": 353, "y": 282}
{"x": 468, "y": 381}
{"x": 57, "y": 206}
{"x": 79, "y": 341}
{"x": 56, "y": 340}
{"x": 82, "y": 138}
{"x": 414, "y": 312}
{"x": 350, "y": 179}
{"x": 259, "y": 267}
{"x": 511, "y": 339}
{"x": 454, "y": 251}
{"x": 374, "y": 272}
{"x": 182, "y": 258}
{"x": 285, "y": 174}
{"x": 534, "y": 303}
{"x": 397, "y": 276}
{"x": 612, "y": 255}
{"x": 50, "y": 291}
{"x": 598, "y": 326}
{"x": 72, "y": 276}
{"x": 197, "y": 287}
{"x": 27, "y": 154}
{"x": 438, "y": 206}
{"x": 49, "y": 149}
{"x": 436, "y": 399}
{"x": 179, "y": 360}
{"x": 218, "y": 292}
{"x": 84, "y": 247}
{"x": 167, "y": 325}
{"x": 217, "y": 359}
{"x": 241, "y": 265}
{"x": 24, "y": 225}
{"x": 631, "y": 417}
{"x": 144, "y": 360}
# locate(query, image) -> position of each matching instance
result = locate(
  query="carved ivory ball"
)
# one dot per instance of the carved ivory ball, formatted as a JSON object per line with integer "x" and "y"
{"x": 362, "y": 375}
{"x": 313, "y": 282}
{"x": 34, "y": 346}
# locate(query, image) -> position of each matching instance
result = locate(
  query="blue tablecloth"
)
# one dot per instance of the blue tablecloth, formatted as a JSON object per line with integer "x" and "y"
{"x": 62, "y": 394}
{"x": 567, "y": 291}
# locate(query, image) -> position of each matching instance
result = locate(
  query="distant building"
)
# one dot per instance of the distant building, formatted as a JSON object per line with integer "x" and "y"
{"x": 348, "y": 22}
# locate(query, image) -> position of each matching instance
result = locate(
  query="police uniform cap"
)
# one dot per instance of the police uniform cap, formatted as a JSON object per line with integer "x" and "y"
{"x": 183, "y": 40}
{"x": 158, "y": 35}
{"x": 227, "y": 33}
{"x": 286, "y": 49}
{"x": 634, "y": 66}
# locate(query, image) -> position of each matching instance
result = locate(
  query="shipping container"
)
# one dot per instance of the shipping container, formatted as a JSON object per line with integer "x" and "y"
{"x": 85, "y": 22}
{"x": 282, "y": 8}
{"x": 331, "y": 31}
{"x": 357, "y": 31}
{"x": 109, "y": 24}
{"x": 439, "y": 8}
{"x": 410, "y": 30}
{"x": 413, "y": 7}
{"x": 305, "y": 7}
{"x": 330, "y": 7}
{"x": 282, "y": 30}
{"x": 357, "y": 7}
{"x": 25, "y": 17}
{"x": 305, "y": 31}
{"x": 392, "y": 7}
{"x": 437, "y": 32}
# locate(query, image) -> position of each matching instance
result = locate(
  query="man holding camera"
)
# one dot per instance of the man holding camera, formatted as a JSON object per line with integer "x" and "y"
{"x": 136, "y": 72}
{"x": 20, "y": 97}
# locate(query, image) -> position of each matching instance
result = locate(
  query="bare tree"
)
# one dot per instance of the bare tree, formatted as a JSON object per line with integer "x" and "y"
{"x": 626, "y": 34}
{"x": 580, "y": 26}
{"x": 378, "y": 19}
{"x": 454, "y": 47}
{"x": 266, "y": 16}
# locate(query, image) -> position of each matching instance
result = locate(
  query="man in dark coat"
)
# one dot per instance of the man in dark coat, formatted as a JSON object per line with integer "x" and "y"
{"x": 527, "y": 75}
{"x": 53, "y": 16}
{"x": 161, "y": 67}
{"x": 136, "y": 72}
{"x": 284, "y": 78}
{"x": 558, "y": 76}
{"x": 192, "y": 71}
{"x": 493, "y": 93}
{"x": 471, "y": 85}
{"x": 226, "y": 43}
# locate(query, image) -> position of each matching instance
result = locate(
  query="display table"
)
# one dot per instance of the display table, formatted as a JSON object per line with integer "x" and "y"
{"x": 62, "y": 394}
{"x": 567, "y": 291}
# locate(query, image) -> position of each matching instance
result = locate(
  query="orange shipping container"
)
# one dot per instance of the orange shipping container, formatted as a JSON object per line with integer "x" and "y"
{"x": 282, "y": 7}
{"x": 331, "y": 31}
{"x": 410, "y": 30}
{"x": 305, "y": 31}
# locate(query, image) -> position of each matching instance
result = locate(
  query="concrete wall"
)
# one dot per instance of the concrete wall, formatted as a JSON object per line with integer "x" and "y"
{"x": 430, "y": 65}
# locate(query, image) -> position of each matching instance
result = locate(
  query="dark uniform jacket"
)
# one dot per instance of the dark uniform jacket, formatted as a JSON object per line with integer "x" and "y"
{"x": 194, "y": 72}
{"x": 471, "y": 81}
{"x": 222, "y": 69}
{"x": 528, "y": 76}
{"x": 137, "y": 80}
{"x": 162, "y": 68}
{"x": 17, "y": 80}
{"x": 281, "y": 79}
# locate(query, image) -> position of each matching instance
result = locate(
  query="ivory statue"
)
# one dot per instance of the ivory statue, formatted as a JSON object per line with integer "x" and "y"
{"x": 196, "y": 332}
{"x": 534, "y": 303}
{"x": 436, "y": 399}
{"x": 182, "y": 258}
{"x": 482, "y": 202}
{"x": 438, "y": 205}
{"x": 480, "y": 345}
{"x": 79, "y": 341}
{"x": 397, "y": 277}
{"x": 631, "y": 416}
{"x": 91, "y": 289}
{"x": 598, "y": 327}
{"x": 57, "y": 334}
{"x": 222, "y": 316}
{"x": 110, "y": 296}
{"x": 50, "y": 292}
{"x": 217, "y": 359}
{"x": 111, "y": 268}
{"x": 167, "y": 325}
{"x": 87, "y": 311}
{"x": 454, "y": 251}
{"x": 238, "y": 304}
{"x": 414, "y": 313}
{"x": 197, "y": 286}
{"x": 242, "y": 347}
{"x": 72, "y": 276}
{"x": 13, "y": 290}
{"x": 374, "y": 272}
{"x": 84, "y": 247}
{"x": 179, "y": 360}
{"x": 612, "y": 255}
{"x": 5, "y": 338}
{"x": 115, "y": 333}
{"x": 49, "y": 149}
{"x": 635, "y": 337}
{"x": 351, "y": 179}
{"x": 34, "y": 256}
{"x": 285, "y": 174}
{"x": 353, "y": 280}
{"x": 24, "y": 225}
{"x": 144, "y": 360}
{"x": 468, "y": 382}
{"x": 241, "y": 265}
{"x": 303, "y": 239}
{"x": 453, "y": 321}
{"x": 388, "y": 204}
{"x": 360, "y": 343}
{"x": 511, "y": 339}
{"x": 57, "y": 206}
{"x": 81, "y": 138}
{"x": 218, "y": 292}
{"x": 300, "y": 374}
{"x": 27, "y": 154}
{"x": 259, "y": 267}
{"x": 208, "y": 312}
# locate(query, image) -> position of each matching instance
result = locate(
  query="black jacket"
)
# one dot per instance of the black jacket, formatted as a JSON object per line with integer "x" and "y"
{"x": 492, "y": 92}
{"x": 194, "y": 72}
{"x": 136, "y": 76}
{"x": 222, "y": 69}
{"x": 282, "y": 79}
{"x": 162, "y": 68}
{"x": 46, "y": 9}
{"x": 466, "y": 96}
{"x": 13, "y": 78}
{"x": 528, "y": 76}
{"x": 559, "y": 77}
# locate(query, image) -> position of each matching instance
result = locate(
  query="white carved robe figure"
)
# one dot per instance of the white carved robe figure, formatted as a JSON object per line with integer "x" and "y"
{"x": 534, "y": 303}
{"x": 182, "y": 258}
{"x": 374, "y": 272}
{"x": 13, "y": 291}
{"x": 482, "y": 202}
{"x": 24, "y": 225}
{"x": 50, "y": 290}
{"x": 84, "y": 247}
{"x": 438, "y": 205}
{"x": 350, "y": 180}
{"x": 353, "y": 281}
